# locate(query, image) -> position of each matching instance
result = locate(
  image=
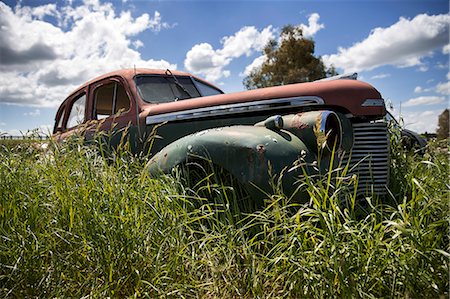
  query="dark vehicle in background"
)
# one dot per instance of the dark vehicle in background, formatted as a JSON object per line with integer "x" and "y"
{"x": 253, "y": 135}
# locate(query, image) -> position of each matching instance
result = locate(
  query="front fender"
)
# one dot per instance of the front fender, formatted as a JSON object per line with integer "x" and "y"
{"x": 244, "y": 151}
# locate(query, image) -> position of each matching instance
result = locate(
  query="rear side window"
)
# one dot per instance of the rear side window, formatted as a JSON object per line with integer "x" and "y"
{"x": 76, "y": 115}
{"x": 110, "y": 99}
{"x": 59, "y": 120}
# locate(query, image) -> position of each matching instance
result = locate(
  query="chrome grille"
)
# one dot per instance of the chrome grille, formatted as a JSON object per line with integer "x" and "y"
{"x": 369, "y": 157}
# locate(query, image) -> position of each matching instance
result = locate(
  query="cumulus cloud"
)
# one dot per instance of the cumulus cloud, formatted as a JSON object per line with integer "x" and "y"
{"x": 313, "y": 25}
{"x": 443, "y": 88}
{"x": 257, "y": 63}
{"x": 203, "y": 59}
{"x": 421, "y": 121}
{"x": 418, "y": 89}
{"x": 47, "y": 50}
{"x": 403, "y": 44}
{"x": 307, "y": 30}
{"x": 425, "y": 100}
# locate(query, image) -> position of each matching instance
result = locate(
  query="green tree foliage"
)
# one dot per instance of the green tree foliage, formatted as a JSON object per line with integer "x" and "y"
{"x": 289, "y": 61}
{"x": 443, "y": 125}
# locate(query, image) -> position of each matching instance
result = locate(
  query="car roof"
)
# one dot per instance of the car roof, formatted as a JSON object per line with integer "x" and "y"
{"x": 129, "y": 74}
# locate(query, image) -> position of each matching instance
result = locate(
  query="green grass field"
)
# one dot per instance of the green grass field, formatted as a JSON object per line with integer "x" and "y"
{"x": 75, "y": 224}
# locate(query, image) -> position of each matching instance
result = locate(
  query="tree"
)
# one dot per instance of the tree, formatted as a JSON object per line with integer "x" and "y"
{"x": 290, "y": 61}
{"x": 443, "y": 125}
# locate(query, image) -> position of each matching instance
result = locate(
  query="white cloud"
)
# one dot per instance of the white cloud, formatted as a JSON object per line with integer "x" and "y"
{"x": 42, "y": 62}
{"x": 45, "y": 129}
{"x": 205, "y": 60}
{"x": 403, "y": 44}
{"x": 443, "y": 88}
{"x": 441, "y": 66}
{"x": 421, "y": 121}
{"x": 13, "y": 132}
{"x": 257, "y": 63}
{"x": 423, "y": 68}
{"x": 34, "y": 113}
{"x": 138, "y": 44}
{"x": 425, "y": 100}
{"x": 2, "y": 124}
{"x": 313, "y": 25}
{"x": 44, "y": 10}
{"x": 308, "y": 31}
{"x": 446, "y": 49}
{"x": 420, "y": 89}
{"x": 381, "y": 76}
{"x": 246, "y": 41}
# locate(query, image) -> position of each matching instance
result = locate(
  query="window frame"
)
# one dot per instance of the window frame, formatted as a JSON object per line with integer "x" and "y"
{"x": 98, "y": 85}
{"x": 74, "y": 99}
{"x": 59, "y": 119}
{"x": 167, "y": 77}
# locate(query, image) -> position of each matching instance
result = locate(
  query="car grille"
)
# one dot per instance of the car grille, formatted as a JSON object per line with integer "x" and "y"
{"x": 369, "y": 157}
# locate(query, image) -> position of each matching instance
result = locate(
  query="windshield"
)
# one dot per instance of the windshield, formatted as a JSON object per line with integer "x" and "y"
{"x": 163, "y": 89}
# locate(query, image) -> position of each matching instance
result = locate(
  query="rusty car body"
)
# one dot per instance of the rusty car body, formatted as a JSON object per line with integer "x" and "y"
{"x": 253, "y": 135}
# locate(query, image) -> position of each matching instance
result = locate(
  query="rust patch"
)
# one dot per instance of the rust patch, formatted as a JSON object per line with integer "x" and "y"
{"x": 297, "y": 123}
{"x": 260, "y": 149}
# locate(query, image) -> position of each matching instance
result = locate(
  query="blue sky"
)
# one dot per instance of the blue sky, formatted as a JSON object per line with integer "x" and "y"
{"x": 48, "y": 48}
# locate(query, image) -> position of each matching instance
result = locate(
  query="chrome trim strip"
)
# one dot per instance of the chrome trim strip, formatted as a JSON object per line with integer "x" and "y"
{"x": 373, "y": 103}
{"x": 273, "y": 104}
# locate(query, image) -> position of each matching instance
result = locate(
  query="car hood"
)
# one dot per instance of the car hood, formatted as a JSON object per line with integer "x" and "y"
{"x": 355, "y": 97}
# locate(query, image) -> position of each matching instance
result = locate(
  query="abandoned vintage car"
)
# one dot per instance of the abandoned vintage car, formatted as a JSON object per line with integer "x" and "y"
{"x": 253, "y": 135}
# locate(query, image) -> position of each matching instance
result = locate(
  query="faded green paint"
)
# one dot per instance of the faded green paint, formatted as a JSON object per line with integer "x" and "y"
{"x": 172, "y": 131}
{"x": 252, "y": 154}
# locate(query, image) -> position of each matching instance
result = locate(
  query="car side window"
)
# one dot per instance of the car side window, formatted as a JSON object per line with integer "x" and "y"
{"x": 110, "y": 99}
{"x": 59, "y": 120}
{"x": 76, "y": 115}
{"x": 207, "y": 90}
{"x": 122, "y": 101}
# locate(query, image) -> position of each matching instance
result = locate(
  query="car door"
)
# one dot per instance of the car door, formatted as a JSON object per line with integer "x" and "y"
{"x": 71, "y": 117}
{"x": 112, "y": 112}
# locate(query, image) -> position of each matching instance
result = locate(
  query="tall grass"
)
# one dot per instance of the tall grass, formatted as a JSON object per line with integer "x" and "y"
{"x": 75, "y": 223}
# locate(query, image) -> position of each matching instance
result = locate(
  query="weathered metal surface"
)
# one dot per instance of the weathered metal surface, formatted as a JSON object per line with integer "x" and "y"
{"x": 244, "y": 151}
{"x": 292, "y": 124}
{"x": 369, "y": 157}
{"x": 322, "y": 131}
{"x": 347, "y": 94}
